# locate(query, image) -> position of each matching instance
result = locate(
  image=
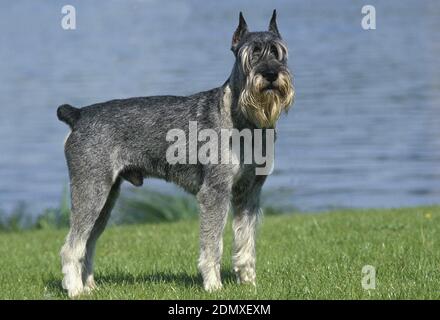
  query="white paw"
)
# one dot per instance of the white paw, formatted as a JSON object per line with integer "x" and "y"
{"x": 74, "y": 288}
{"x": 211, "y": 276}
{"x": 90, "y": 284}
{"x": 75, "y": 292}
{"x": 212, "y": 285}
{"x": 72, "y": 281}
{"x": 245, "y": 275}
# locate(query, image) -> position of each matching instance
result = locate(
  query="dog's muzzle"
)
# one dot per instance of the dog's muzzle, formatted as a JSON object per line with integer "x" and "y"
{"x": 265, "y": 95}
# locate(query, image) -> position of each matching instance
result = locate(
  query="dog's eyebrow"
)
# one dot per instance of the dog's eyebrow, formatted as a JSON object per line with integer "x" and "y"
{"x": 244, "y": 53}
{"x": 282, "y": 49}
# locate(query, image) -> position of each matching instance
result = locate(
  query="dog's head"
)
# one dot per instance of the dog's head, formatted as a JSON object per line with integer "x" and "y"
{"x": 266, "y": 86}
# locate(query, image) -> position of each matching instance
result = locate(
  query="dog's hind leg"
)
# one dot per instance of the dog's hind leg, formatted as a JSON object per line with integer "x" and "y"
{"x": 214, "y": 206}
{"x": 89, "y": 194}
{"x": 98, "y": 228}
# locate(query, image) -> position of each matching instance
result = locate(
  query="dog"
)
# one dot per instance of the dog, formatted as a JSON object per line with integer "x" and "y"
{"x": 125, "y": 140}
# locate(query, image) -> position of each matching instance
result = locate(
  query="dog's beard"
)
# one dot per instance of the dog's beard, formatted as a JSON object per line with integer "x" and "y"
{"x": 263, "y": 106}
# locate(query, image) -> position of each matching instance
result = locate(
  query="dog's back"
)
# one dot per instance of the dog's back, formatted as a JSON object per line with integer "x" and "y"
{"x": 127, "y": 137}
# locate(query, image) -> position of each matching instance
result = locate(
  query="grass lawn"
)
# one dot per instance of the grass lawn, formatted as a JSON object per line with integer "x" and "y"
{"x": 303, "y": 256}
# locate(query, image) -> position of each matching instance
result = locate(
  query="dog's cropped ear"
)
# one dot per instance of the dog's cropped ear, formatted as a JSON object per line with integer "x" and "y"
{"x": 241, "y": 30}
{"x": 273, "y": 24}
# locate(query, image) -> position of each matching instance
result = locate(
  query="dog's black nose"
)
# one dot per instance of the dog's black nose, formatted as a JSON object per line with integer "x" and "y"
{"x": 270, "y": 76}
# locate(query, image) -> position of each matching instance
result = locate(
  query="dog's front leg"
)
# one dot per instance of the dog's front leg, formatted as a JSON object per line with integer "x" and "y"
{"x": 243, "y": 259}
{"x": 214, "y": 206}
{"x": 246, "y": 209}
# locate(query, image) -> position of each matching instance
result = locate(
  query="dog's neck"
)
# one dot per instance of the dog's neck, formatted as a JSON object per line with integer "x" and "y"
{"x": 230, "y": 101}
{"x": 231, "y": 93}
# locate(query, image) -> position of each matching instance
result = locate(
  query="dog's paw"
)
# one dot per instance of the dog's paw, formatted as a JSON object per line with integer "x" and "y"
{"x": 245, "y": 275}
{"x": 90, "y": 285}
{"x": 73, "y": 285}
{"x": 212, "y": 285}
{"x": 75, "y": 292}
{"x": 74, "y": 289}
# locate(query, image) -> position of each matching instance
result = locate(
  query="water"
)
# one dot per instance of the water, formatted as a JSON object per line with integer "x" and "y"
{"x": 364, "y": 131}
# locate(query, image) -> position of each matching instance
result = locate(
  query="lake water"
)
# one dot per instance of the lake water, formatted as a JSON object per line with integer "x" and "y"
{"x": 364, "y": 131}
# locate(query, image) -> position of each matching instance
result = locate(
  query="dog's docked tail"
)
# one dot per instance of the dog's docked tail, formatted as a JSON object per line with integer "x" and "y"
{"x": 68, "y": 114}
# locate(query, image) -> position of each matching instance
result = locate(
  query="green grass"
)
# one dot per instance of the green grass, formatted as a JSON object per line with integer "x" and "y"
{"x": 301, "y": 256}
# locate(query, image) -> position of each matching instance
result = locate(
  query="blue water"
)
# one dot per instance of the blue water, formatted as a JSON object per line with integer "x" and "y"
{"x": 364, "y": 131}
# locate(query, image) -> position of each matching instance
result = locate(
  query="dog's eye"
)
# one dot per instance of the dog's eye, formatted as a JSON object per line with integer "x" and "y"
{"x": 274, "y": 51}
{"x": 256, "y": 51}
